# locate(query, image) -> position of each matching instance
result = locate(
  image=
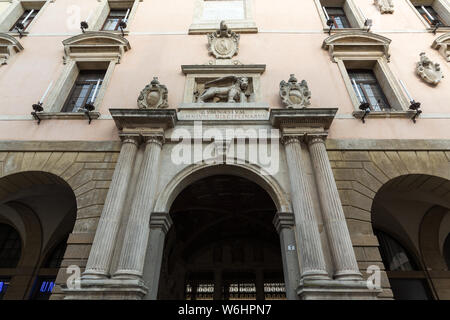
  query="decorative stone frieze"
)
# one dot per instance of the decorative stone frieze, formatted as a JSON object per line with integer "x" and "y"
{"x": 429, "y": 72}
{"x": 385, "y": 6}
{"x": 8, "y": 47}
{"x": 236, "y": 92}
{"x": 442, "y": 44}
{"x": 294, "y": 94}
{"x": 153, "y": 96}
{"x": 224, "y": 43}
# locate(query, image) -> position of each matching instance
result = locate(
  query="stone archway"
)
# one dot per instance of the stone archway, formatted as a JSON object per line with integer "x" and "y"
{"x": 360, "y": 175}
{"x": 223, "y": 244}
{"x": 86, "y": 174}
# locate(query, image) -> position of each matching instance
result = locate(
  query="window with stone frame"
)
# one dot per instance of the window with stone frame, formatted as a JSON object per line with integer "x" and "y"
{"x": 21, "y": 14}
{"x": 84, "y": 90}
{"x": 209, "y": 13}
{"x": 343, "y": 13}
{"x": 110, "y": 13}
{"x": 25, "y": 19}
{"x": 432, "y": 12}
{"x": 90, "y": 58}
{"x": 363, "y": 60}
{"x": 368, "y": 89}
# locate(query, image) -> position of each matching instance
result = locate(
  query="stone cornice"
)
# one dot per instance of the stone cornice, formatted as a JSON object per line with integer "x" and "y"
{"x": 223, "y": 69}
{"x": 302, "y": 121}
{"x": 141, "y": 119}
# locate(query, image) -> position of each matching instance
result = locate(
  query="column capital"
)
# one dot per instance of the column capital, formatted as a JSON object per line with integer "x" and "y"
{"x": 161, "y": 220}
{"x": 311, "y": 139}
{"x": 283, "y": 220}
{"x": 288, "y": 139}
{"x": 157, "y": 138}
{"x": 130, "y": 138}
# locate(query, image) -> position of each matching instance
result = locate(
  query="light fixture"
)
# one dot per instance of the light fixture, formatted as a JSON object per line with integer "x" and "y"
{"x": 123, "y": 22}
{"x": 88, "y": 107}
{"x": 330, "y": 21}
{"x": 84, "y": 25}
{"x": 37, "y": 108}
{"x": 415, "y": 106}
{"x": 19, "y": 27}
{"x": 368, "y": 23}
{"x": 364, "y": 106}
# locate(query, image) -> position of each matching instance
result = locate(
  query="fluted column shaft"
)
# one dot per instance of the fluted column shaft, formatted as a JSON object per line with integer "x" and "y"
{"x": 105, "y": 237}
{"x": 131, "y": 261}
{"x": 333, "y": 215}
{"x": 310, "y": 247}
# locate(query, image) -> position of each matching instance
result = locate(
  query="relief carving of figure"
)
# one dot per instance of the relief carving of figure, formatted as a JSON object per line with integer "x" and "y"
{"x": 153, "y": 96}
{"x": 430, "y": 72}
{"x": 385, "y": 6}
{"x": 236, "y": 92}
{"x": 294, "y": 94}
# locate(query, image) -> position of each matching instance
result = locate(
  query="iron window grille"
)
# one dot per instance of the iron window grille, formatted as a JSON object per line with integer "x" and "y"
{"x": 369, "y": 89}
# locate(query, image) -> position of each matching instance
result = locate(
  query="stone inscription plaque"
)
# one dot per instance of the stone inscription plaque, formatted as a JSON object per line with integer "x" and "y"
{"x": 224, "y": 114}
{"x": 223, "y": 10}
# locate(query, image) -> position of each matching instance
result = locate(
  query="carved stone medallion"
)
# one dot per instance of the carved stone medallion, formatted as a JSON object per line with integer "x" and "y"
{"x": 153, "y": 96}
{"x": 385, "y": 6}
{"x": 294, "y": 94}
{"x": 430, "y": 72}
{"x": 224, "y": 43}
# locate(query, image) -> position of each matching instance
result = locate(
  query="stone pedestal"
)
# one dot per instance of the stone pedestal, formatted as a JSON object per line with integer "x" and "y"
{"x": 104, "y": 242}
{"x": 284, "y": 223}
{"x": 344, "y": 259}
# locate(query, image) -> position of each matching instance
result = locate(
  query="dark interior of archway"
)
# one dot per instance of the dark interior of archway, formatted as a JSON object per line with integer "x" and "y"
{"x": 406, "y": 215}
{"x": 223, "y": 244}
{"x": 42, "y": 208}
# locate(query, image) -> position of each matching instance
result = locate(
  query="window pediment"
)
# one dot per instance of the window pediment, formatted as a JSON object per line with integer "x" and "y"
{"x": 442, "y": 44}
{"x": 96, "y": 44}
{"x": 8, "y": 47}
{"x": 357, "y": 44}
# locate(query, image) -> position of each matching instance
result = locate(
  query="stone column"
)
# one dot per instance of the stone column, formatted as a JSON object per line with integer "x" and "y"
{"x": 341, "y": 246}
{"x": 105, "y": 237}
{"x": 131, "y": 261}
{"x": 284, "y": 223}
{"x": 310, "y": 247}
{"x": 160, "y": 224}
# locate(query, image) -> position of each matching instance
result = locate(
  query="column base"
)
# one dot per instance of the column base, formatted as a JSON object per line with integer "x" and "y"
{"x": 318, "y": 289}
{"x": 107, "y": 289}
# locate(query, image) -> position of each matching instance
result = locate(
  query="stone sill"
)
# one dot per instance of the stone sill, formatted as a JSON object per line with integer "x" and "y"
{"x": 244, "y": 26}
{"x": 439, "y": 30}
{"x": 67, "y": 115}
{"x": 385, "y": 114}
{"x": 326, "y": 30}
{"x": 16, "y": 34}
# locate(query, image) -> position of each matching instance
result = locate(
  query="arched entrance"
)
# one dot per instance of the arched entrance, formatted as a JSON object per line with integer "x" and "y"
{"x": 223, "y": 244}
{"x": 411, "y": 218}
{"x": 37, "y": 214}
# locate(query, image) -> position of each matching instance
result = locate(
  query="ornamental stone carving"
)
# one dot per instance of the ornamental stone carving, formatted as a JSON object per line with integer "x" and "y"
{"x": 442, "y": 44}
{"x": 294, "y": 94}
{"x": 153, "y": 96}
{"x": 430, "y": 72}
{"x": 385, "y": 6}
{"x": 236, "y": 92}
{"x": 224, "y": 43}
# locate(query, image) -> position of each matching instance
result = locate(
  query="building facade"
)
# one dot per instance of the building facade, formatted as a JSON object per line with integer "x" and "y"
{"x": 215, "y": 149}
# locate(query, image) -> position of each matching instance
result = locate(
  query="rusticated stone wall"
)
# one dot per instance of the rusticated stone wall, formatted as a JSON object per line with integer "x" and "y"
{"x": 360, "y": 174}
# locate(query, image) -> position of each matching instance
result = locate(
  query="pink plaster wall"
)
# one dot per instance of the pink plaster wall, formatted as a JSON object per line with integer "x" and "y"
{"x": 289, "y": 41}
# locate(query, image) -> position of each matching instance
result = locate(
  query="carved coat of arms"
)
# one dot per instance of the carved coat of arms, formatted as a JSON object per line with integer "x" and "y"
{"x": 224, "y": 43}
{"x": 430, "y": 72}
{"x": 153, "y": 96}
{"x": 294, "y": 94}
